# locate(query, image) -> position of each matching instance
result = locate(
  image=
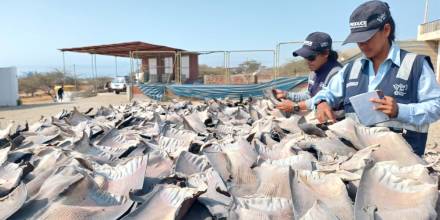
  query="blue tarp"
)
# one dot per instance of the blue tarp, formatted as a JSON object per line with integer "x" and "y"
{"x": 156, "y": 91}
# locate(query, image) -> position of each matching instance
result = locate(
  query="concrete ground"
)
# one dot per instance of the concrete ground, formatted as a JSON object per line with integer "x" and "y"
{"x": 33, "y": 112}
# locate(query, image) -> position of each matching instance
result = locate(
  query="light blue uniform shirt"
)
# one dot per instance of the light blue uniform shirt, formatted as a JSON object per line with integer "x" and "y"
{"x": 424, "y": 112}
{"x": 301, "y": 96}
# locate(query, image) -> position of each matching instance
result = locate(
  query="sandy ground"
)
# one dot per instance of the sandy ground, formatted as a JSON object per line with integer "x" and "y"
{"x": 434, "y": 135}
{"x": 33, "y": 112}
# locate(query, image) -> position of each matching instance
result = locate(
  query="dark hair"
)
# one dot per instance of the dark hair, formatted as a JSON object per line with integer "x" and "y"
{"x": 392, "y": 35}
{"x": 333, "y": 55}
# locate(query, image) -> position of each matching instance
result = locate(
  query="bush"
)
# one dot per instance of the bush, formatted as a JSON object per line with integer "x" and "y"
{"x": 34, "y": 81}
{"x": 295, "y": 67}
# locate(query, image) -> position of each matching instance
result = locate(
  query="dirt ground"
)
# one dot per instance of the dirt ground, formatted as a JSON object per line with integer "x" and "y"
{"x": 33, "y": 112}
{"x": 434, "y": 135}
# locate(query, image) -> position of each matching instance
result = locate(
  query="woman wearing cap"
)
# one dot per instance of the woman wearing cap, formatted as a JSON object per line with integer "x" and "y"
{"x": 411, "y": 93}
{"x": 322, "y": 61}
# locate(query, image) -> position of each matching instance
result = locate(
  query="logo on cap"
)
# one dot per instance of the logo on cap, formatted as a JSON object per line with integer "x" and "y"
{"x": 324, "y": 44}
{"x": 308, "y": 43}
{"x": 382, "y": 17}
{"x": 358, "y": 24}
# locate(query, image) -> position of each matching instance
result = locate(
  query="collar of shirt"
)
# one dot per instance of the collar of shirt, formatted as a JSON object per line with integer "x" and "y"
{"x": 393, "y": 55}
{"x": 376, "y": 78}
{"x": 319, "y": 76}
{"x": 326, "y": 67}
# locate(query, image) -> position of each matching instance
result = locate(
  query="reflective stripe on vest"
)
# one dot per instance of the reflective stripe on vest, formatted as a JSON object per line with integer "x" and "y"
{"x": 332, "y": 72}
{"x": 404, "y": 69}
{"x": 356, "y": 69}
{"x": 311, "y": 78}
{"x": 403, "y": 73}
{"x": 406, "y": 66}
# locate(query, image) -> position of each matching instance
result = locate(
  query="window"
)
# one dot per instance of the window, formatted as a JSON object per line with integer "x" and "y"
{"x": 168, "y": 61}
{"x": 185, "y": 67}
{"x": 152, "y": 66}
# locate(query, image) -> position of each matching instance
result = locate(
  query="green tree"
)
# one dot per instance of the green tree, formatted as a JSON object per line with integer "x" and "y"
{"x": 248, "y": 66}
{"x": 34, "y": 81}
{"x": 29, "y": 83}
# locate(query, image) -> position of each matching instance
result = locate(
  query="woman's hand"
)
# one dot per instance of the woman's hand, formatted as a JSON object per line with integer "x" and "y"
{"x": 286, "y": 106}
{"x": 280, "y": 94}
{"x": 325, "y": 113}
{"x": 386, "y": 105}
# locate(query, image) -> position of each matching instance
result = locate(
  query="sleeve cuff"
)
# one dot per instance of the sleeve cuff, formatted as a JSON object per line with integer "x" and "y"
{"x": 316, "y": 100}
{"x": 404, "y": 113}
{"x": 290, "y": 95}
{"x": 309, "y": 104}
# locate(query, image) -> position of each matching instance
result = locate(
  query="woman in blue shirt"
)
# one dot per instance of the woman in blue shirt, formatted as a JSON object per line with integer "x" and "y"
{"x": 322, "y": 61}
{"x": 411, "y": 93}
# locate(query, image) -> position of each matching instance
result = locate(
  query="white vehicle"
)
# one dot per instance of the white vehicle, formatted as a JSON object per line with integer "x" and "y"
{"x": 119, "y": 84}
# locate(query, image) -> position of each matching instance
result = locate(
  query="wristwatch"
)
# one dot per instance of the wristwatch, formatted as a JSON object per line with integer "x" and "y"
{"x": 296, "y": 107}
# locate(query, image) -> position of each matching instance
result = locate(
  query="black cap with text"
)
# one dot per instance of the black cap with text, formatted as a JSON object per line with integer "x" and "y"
{"x": 366, "y": 20}
{"x": 315, "y": 43}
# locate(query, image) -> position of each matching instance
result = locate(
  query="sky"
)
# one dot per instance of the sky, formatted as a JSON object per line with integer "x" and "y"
{"x": 32, "y": 31}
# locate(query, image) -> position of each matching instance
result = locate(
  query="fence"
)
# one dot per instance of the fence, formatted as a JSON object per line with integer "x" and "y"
{"x": 430, "y": 27}
{"x": 289, "y": 66}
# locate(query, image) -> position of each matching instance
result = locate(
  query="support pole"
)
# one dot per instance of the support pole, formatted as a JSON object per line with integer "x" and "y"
{"x": 274, "y": 68}
{"x": 425, "y": 20}
{"x": 131, "y": 65}
{"x": 278, "y": 52}
{"x": 93, "y": 69}
{"x": 116, "y": 66}
{"x": 277, "y": 60}
{"x": 130, "y": 96}
{"x": 438, "y": 62}
{"x": 74, "y": 75}
{"x": 177, "y": 67}
{"x": 227, "y": 73}
{"x": 225, "y": 60}
{"x": 138, "y": 69}
{"x": 96, "y": 75}
{"x": 64, "y": 68}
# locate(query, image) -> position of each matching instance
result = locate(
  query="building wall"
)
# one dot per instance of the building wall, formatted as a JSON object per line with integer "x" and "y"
{"x": 430, "y": 33}
{"x": 193, "y": 67}
{"x": 160, "y": 69}
{"x": 428, "y": 48}
{"x": 162, "y": 77}
{"x": 238, "y": 79}
{"x": 145, "y": 68}
{"x": 8, "y": 86}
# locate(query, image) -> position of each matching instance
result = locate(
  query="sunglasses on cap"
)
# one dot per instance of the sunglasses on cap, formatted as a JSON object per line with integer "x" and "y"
{"x": 310, "y": 58}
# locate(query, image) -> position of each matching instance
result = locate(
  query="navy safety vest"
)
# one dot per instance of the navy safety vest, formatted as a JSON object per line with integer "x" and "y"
{"x": 399, "y": 83}
{"x": 321, "y": 78}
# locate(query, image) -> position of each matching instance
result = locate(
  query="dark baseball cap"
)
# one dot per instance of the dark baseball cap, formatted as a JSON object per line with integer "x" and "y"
{"x": 315, "y": 42}
{"x": 366, "y": 20}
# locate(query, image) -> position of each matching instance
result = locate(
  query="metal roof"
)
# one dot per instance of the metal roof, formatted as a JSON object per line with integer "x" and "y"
{"x": 121, "y": 49}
